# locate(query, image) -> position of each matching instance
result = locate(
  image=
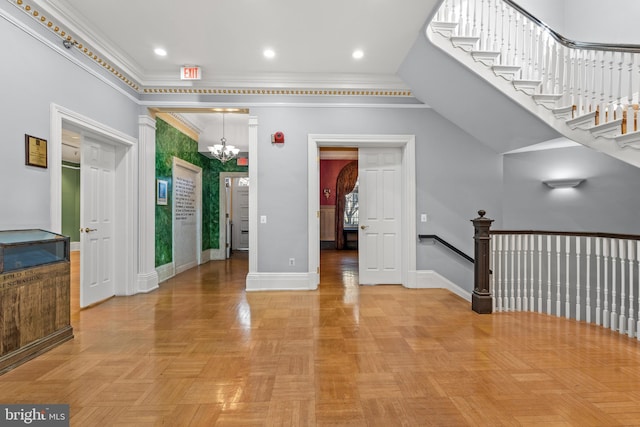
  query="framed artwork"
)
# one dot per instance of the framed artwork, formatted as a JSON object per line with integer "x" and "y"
{"x": 162, "y": 187}
{"x": 35, "y": 151}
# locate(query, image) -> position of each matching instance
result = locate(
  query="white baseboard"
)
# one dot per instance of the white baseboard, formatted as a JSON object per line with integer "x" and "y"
{"x": 166, "y": 272}
{"x": 74, "y": 247}
{"x": 281, "y": 282}
{"x": 148, "y": 282}
{"x": 214, "y": 255}
{"x": 429, "y": 279}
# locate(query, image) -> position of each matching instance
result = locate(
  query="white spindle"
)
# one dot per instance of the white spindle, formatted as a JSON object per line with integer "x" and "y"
{"x": 518, "y": 276}
{"x": 609, "y": 116}
{"x": 605, "y": 259}
{"x": 506, "y": 272}
{"x": 598, "y": 307}
{"x": 512, "y": 296}
{"x": 498, "y": 272}
{"x": 622, "y": 319}
{"x": 531, "y": 300}
{"x": 601, "y": 106}
{"x": 619, "y": 103}
{"x": 474, "y": 29}
{"x": 483, "y": 42}
{"x": 558, "y": 285}
{"x": 525, "y": 252}
{"x": 588, "y": 279}
{"x": 638, "y": 264}
{"x": 594, "y": 91}
{"x": 567, "y": 283}
{"x": 548, "y": 274}
{"x": 539, "y": 273}
{"x": 578, "y": 307}
{"x": 614, "y": 307}
{"x": 631, "y": 323}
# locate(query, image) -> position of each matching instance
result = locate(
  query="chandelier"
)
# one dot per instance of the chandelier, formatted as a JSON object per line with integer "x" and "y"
{"x": 222, "y": 151}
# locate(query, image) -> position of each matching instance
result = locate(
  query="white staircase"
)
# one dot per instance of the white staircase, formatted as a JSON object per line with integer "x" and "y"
{"x": 584, "y": 91}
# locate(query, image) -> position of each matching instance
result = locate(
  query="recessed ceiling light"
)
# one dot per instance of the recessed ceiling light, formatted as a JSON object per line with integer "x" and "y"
{"x": 160, "y": 51}
{"x": 357, "y": 54}
{"x": 269, "y": 53}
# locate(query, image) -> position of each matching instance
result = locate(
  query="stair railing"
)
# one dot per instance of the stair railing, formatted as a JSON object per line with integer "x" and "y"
{"x": 591, "y": 277}
{"x": 591, "y": 85}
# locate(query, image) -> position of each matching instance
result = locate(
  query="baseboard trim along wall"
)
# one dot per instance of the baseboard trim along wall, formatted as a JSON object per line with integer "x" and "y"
{"x": 428, "y": 279}
{"x": 281, "y": 282}
{"x": 166, "y": 272}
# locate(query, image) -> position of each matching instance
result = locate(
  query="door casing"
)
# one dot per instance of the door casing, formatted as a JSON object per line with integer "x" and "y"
{"x": 408, "y": 176}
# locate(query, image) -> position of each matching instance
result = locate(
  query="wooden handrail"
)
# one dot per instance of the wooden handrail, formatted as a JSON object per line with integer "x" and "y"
{"x": 447, "y": 244}
{"x": 570, "y": 233}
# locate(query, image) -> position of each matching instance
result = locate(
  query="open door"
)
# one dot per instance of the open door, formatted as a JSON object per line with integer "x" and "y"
{"x": 97, "y": 180}
{"x": 380, "y": 213}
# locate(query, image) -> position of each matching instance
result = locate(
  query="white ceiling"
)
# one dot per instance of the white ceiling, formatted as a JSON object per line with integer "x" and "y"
{"x": 313, "y": 41}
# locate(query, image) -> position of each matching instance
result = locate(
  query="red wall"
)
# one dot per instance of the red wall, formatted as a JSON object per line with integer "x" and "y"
{"x": 329, "y": 170}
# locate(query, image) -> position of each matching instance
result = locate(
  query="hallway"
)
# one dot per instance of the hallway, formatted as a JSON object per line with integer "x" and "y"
{"x": 202, "y": 351}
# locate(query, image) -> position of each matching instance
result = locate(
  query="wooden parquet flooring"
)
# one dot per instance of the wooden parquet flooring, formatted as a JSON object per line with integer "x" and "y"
{"x": 201, "y": 351}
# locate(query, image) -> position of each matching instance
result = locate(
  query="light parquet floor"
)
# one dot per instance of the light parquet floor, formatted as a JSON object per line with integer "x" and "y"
{"x": 201, "y": 351}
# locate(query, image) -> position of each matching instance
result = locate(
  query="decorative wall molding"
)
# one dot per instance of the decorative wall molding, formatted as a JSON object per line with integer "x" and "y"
{"x": 280, "y": 282}
{"x": 429, "y": 279}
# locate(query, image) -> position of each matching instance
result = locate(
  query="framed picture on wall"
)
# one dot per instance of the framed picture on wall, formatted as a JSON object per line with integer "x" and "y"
{"x": 162, "y": 188}
{"x": 35, "y": 151}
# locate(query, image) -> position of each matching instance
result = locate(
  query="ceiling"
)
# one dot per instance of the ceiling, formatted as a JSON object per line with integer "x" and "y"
{"x": 313, "y": 41}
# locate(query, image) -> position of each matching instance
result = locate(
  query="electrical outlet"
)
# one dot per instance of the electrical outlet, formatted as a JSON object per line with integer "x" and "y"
{"x": 292, "y": 261}
{"x": 263, "y": 219}
{"x": 423, "y": 218}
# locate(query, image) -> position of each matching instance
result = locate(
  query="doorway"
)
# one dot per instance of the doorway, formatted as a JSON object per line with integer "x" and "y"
{"x": 118, "y": 210}
{"x": 406, "y": 175}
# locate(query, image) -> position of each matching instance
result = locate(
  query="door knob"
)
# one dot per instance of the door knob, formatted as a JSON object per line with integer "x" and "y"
{"x": 87, "y": 229}
{"x": 364, "y": 227}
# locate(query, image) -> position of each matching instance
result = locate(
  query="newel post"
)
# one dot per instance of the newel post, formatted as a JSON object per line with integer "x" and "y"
{"x": 481, "y": 301}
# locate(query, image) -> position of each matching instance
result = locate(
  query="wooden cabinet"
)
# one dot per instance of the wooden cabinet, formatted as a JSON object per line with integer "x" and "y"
{"x": 35, "y": 312}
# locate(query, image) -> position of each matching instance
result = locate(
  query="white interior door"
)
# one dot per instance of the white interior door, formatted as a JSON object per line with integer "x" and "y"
{"x": 240, "y": 213}
{"x": 97, "y": 179}
{"x": 380, "y": 212}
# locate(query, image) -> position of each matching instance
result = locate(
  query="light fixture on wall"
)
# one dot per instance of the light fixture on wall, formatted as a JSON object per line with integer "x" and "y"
{"x": 563, "y": 183}
{"x": 222, "y": 151}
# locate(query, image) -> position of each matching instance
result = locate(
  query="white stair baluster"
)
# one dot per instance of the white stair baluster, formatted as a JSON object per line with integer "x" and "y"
{"x": 539, "y": 272}
{"x": 598, "y": 276}
{"x": 499, "y": 272}
{"x": 512, "y": 296}
{"x": 622, "y": 319}
{"x": 482, "y": 45}
{"x": 618, "y": 114}
{"x": 601, "y": 105}
{"x": 506, "y": 273}
{"x": 578, "y": 306}
{"x": 474, "y": 28}
{"x": 558, "y": 268}
{"x": 614, "y": 294}
{"x": 631, "y": 322}
{"x": 605, "y": 260}
{"x": 518, "y": 276}
{"x": 637, "y": 243}
{"x": 548, "y": 274}
{"x": 496, "y": 27}
{"x": 594, "y": 85}
{"x": 525, "y": 247}
{"x": 531, "y": 294}
{"x": 567, "y": 283}
{"x": 588, "y": 279}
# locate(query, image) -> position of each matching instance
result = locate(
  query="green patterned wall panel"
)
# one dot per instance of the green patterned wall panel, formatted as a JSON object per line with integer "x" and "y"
{"x": 170, "y": 143}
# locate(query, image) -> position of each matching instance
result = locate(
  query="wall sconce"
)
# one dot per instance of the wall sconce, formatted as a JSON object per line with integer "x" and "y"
{"x": 327, "y": 192}
{"x": 564, "y": 183}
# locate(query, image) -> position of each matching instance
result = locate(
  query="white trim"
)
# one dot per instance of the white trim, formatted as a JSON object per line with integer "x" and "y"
{"x": 280, "y": 282}
{"x": 407, "y": 143}
{"x": 74, "y": 247}
{"x": 165, "y": 272}
{"x": 253, "y": 199}
{"x": 272, "y": 104}
{"x": 126, "y": 177}
{"x": 429, "y": 279}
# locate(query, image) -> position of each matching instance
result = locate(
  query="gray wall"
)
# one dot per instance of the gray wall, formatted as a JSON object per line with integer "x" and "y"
{"x": 34, "y": 76}
{"x": 456, "y": 176}
{"x": 608, "y": 201}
